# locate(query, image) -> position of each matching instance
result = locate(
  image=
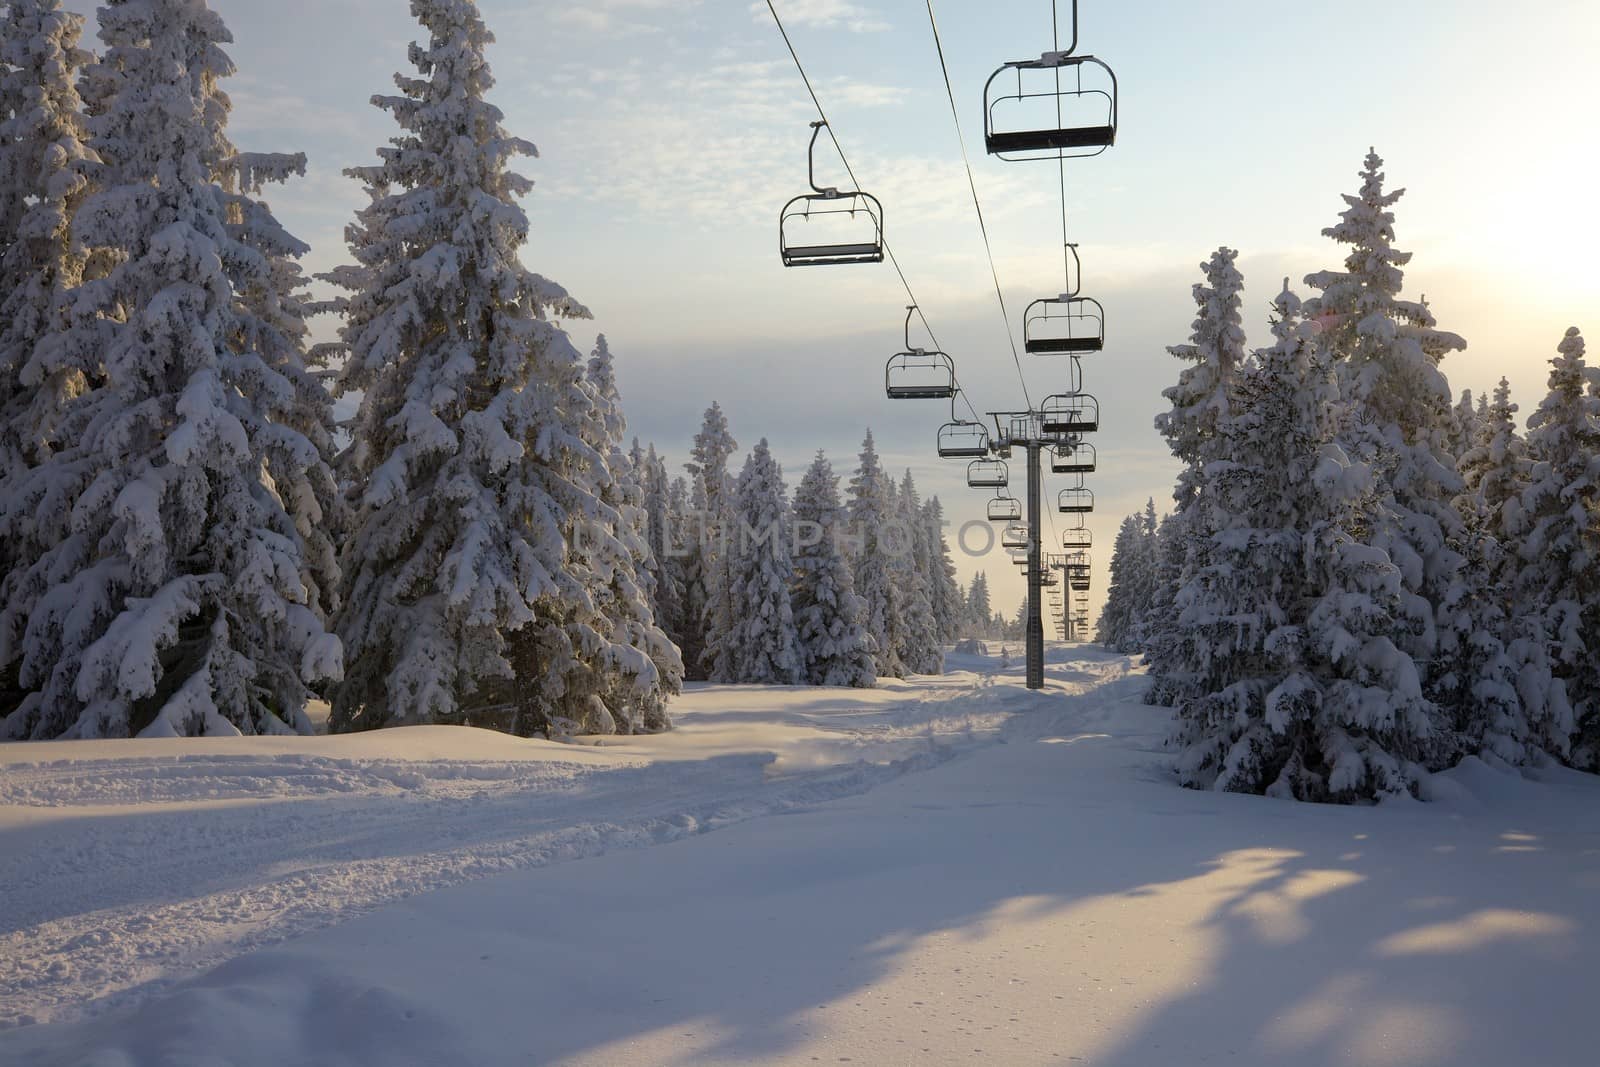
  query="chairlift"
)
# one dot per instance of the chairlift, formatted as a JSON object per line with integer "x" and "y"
{"x": 988, "y": 474}
{"x": 1080, "y": 585}
{"x": 1076, "y": 561}
{"x": 917, "y": 373}
{"x": 963, "y": 440}
{"x": 1005, "y": 509}
{"x": 1078, "y": 537}
{"x": 842, "y": 226}
{"x": 1015, "y": 535}
{"x": 1073, "y": 458}
{"x": 1070, "y": 413}
{"x": 1058, "y": 106}
{"x": 1075, "y": 501}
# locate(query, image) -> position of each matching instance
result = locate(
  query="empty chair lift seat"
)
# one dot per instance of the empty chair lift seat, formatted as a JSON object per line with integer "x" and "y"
{"x": 1058, "y": 106}
{"x": 988, "y": 474}
{"x": 1075, "y": 501}
{"x": 963, "y": 440}
{"x": 1064, "y": 324}
{"x": 1063, "y": 414}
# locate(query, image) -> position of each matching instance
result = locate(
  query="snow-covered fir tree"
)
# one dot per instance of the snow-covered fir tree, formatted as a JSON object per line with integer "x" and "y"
{"x": 828, "y": 615}
{"x": 168, "y": 591}
{"x": 1388, "y": 351}
{"x": 763, "y": 645}
{"x": 1215, "y": 351}
{"x": 1201, "y": 405}
{"x": 710, "y": 644}
{"x": 470, "y": 457}
{"x": 1502, "y": 659}
{"x": 870, "y": 509}
{"x": 1494, "y": 468}
{"x": 980, "y": 612}
{"x": 46, "y": 169}
{"x": 662, "y": 521}
{"x": 625, "y": 668}
{"x": 1293, "y": 690}
{"x": 693, "y": 534}
{"x": 1115, "y": 629}
{"x": 1558, "y": 584}
{"x": 912, "y": 560}
{"x": 1167, "y": 556}
{"x": 1464, "y": 426}
{"x": 949, "y": 601}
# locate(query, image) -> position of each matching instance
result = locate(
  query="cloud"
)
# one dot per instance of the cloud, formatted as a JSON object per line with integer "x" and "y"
{"x": 823, "y": 14}
{"x": 619, "y": 17}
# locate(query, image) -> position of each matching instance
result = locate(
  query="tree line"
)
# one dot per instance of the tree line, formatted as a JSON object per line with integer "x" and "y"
{"x": 823, "y": 590}
{"x": 1362, "y": 581}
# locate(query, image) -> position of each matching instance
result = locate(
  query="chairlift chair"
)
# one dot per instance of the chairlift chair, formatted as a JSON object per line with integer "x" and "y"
{"x": 1078, "y": 537}
{"x": 1058, "y": 106}
{"x": 1073, "y": 458}
{"x": 1015, "y": 535}
{"x": 917, "y": 373}
{"x": 963, "y": 440}
{"x": 1076, "y": 501}
{"x": 1005, "y": 509}
{"x": 851, "y": 220}
{"x": 988, "y": 474}
{"x": 1066, "y": 323}
{"x": 1070, "y": 413}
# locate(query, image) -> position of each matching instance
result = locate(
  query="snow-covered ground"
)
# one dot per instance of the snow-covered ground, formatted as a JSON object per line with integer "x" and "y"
{"x": 942, "y": 871}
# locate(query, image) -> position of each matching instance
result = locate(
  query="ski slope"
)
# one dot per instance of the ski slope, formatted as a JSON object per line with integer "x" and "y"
{"x": 946, "y": 870}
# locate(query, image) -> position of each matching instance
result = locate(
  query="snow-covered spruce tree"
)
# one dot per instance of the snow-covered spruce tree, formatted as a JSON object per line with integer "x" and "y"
{"x": 172, "y": 594}
{"x": 870, "y": 509}
{"x": 1464, "y": 424}
{"x": 1118, "y": 617}
{"x": 694, "y": 534}
{"x": 1168, "y": 554}
{"x": 469, "y": 456}
{"x": 45, "y": 174}
{"x": 828, "y": 615}
{"x": 1146, "y": 573}
{"x": 1502, "y": 658}
{"x": 949, "y": 602}
{"x": 980, "y": 613}
{"x": 608, "y": 667}
{"x": 1297, "y": 689}
{"x": 1200, "y": 400}
{"x": 1494, "y": 468}
{"x": 1558, "y": 584}
{"x": 1388, "y": 351}
{"x": 763, "y": 646}
{"x": 271, "y": 308}
{"x": 912, "y": 560}
{"x": 1200, "y": 406}
{"x": 713, "y": 446}
{"x": 661, "y": 522}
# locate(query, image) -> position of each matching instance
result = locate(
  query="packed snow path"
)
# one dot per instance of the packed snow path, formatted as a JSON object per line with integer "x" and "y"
{"x": 129, "y": 864}
{"x": 1054, "y": 899}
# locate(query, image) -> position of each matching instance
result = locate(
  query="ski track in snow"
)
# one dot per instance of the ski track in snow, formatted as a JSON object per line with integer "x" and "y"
{"x": 208, "y": 857}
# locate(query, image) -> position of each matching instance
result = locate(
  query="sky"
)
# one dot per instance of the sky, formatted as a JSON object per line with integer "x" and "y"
{"x": 672, "y": 131}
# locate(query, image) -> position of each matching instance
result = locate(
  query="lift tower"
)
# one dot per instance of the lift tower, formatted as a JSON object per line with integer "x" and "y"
{"x": 1023, "y": 431}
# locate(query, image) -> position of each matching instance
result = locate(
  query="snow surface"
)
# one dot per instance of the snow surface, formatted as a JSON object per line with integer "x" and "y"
{"x": 946, "y": 870}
